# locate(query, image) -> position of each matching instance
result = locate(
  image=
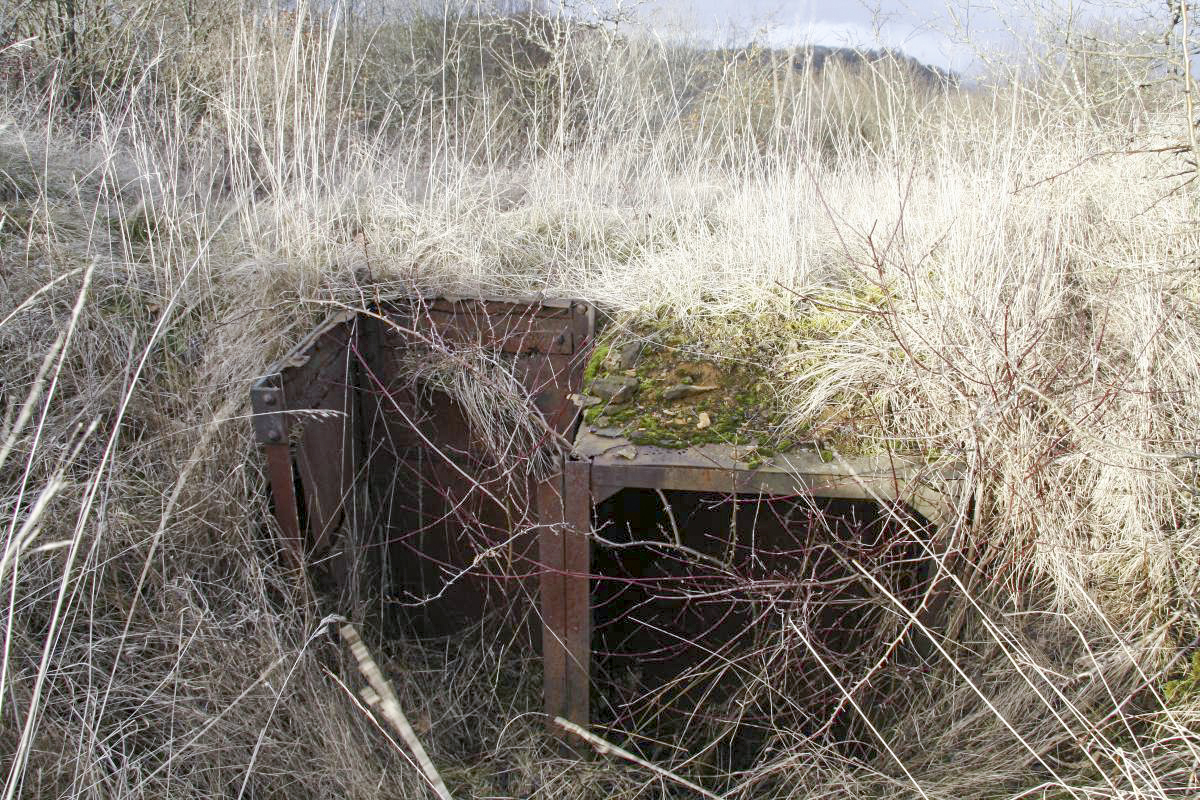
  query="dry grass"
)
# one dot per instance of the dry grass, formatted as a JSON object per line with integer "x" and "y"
{"x": 1006, "y": 274}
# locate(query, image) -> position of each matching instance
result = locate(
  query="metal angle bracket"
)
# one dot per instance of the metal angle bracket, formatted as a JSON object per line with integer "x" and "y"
{"x": 269, "y": 415}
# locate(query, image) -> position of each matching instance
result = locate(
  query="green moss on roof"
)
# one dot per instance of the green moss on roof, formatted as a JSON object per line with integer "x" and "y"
{"x": 739, "y": 356}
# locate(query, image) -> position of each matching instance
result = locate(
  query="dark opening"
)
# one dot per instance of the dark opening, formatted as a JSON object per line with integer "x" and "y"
{"x": 718, "y": 620}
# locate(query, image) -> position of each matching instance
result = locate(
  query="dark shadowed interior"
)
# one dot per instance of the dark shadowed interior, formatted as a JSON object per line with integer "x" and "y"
{"x": 695, "y": 595}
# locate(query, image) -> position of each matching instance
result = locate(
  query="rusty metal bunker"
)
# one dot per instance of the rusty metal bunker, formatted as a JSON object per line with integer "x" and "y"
{"x": 377, "y": 464}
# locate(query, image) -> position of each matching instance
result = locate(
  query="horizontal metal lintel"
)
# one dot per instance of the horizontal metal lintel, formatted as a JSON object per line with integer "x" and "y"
{"x": 742, "y": 481}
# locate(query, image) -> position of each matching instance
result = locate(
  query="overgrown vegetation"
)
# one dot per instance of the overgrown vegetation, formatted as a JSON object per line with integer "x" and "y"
{"x": 1003, "y": 276}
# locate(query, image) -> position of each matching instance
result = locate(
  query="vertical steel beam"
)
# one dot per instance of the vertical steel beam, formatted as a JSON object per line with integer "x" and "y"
{"x": 552, "y": 601}
{"x": 577, "y": 512}
{"x": 271, "y": 424}
{"x": 283, "y": 491}
{"x": 564, "y": 505}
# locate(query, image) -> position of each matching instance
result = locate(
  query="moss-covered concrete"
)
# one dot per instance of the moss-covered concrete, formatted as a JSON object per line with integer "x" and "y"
{"x": 738, "y": 356}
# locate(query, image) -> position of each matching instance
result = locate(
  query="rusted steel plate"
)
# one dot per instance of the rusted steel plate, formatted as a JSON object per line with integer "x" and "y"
{"x": 310, "y": 392}
{"x": 553, "y": 379}
{"x": 458, "y": 528}
{"x": 521, "y": 306}
{"x": 446, "y": 503}
{"x": 508, "y": 334}
{"x": 325, "y": 461}
{"x": 326, "y": 449}
{"x": 547, "y": 361}
{"x": 315, "y": 366}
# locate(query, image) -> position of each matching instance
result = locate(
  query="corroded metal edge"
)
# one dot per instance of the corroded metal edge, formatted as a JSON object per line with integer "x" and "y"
{"x": 303, "y": 352}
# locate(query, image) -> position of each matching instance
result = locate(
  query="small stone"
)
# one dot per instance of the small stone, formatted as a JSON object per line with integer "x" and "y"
{"x": 628, "y": 451}
{"x": 747, "y": 455}
{"x": 705, "y": 421}
{"x": 601, "y": 421}
{"x": 615, "y": 390}
{"x": 584, "y": 401}
{"x": 681, "y": 390}
{"x": 631, "y": 353}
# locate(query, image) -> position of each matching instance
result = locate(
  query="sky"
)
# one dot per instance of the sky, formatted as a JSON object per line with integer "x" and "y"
{"x": 933, "y": 31}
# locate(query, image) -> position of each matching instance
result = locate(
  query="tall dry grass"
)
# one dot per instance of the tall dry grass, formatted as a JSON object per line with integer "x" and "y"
{"x": 1005, "y": 274}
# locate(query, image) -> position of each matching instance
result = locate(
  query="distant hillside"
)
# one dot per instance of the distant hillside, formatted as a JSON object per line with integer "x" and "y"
{"x": 816, "y": 56}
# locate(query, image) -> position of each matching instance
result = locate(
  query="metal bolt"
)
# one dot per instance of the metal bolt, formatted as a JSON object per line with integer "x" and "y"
{"x": 274, "y": 436}
{"x": 270, "y": 400}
